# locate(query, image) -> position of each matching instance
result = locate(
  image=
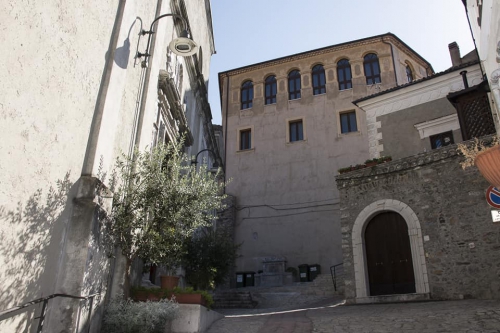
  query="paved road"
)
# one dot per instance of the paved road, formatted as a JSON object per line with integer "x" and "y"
{"x": 467, "y": 316}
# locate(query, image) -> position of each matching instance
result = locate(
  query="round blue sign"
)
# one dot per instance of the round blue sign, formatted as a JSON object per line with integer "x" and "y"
{"x": 493, "y": 197}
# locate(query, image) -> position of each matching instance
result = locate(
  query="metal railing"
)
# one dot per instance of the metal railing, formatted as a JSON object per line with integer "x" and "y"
{"x": 334, "y": 271}
{"x": 45, "y": 301}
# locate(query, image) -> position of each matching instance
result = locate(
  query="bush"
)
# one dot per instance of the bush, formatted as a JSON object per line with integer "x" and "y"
{"x": 209, "y": 257}
{"x": 127, "y": 316}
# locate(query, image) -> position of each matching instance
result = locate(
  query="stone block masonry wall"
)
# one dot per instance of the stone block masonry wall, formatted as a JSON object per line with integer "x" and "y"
{"x": 461, "y": 243}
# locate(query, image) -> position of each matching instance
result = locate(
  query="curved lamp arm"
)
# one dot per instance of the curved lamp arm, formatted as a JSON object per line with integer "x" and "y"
{"x": 183, "y": 37}
{"x": 195, "y": 161}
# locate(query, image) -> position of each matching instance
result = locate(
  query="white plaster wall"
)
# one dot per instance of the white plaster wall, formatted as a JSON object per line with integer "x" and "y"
{"x": 50, "y": 81}
{"x": 55, "y": 80}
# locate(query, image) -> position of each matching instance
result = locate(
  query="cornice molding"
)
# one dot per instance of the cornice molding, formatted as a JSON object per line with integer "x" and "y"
{"x": 314, "y": 53}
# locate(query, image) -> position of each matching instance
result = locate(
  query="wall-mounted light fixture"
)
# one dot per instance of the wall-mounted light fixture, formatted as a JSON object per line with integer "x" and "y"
{"x": 215, "y": 165}
{"x": 183, "y": 45}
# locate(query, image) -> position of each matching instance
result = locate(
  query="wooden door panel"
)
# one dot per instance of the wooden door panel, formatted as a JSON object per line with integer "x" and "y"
{"x": 388, "y": 252}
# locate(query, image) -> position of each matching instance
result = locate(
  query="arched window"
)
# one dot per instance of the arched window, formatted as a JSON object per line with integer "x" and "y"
{"x": 270, "y": 89}
{"x": 294, "y": 84}
{"x": 409, "y": 73}
{"x": 344, "y": 74}
{"x": 246, "y": 95}
{"x": 318, "y": 80}
{"x": 372, "y": 69}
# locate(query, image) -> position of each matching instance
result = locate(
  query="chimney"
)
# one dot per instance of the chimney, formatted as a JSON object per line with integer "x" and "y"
{"x": 455, "y": 54}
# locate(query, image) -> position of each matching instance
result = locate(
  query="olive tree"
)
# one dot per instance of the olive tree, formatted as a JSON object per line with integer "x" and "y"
{"x": 159, "y": 200}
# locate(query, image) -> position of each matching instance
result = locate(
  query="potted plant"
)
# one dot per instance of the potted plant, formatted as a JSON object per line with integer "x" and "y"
{"x": 384, "y": 159}
{"x": 344, "y": 170}
{"x": 485, "y": 156}
{"x": 371, "y": 162}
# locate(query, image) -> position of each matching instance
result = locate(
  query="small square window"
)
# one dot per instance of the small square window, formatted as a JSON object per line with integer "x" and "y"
{"x": 442, "y": 140}
{"x": 296, "y": 130}
{"x": 246, "y": 139}
{"x": 348, "y": 122}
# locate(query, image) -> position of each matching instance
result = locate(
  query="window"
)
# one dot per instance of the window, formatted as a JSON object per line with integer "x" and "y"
{"x": 409, "y": 73}
{"x": 294, "y": 85}
{"x": 246, "y": 139}
{"x": 442, "y": 140}
{"x": 372, "y": 69}
{"x": 318, "y": 79}
{"x": 344, "y": 74}
{"x": 270, "y": 89}
{"x": 246, "y": 95}
{"x": 348, "y": 122}
{"x": 296, "y": 130}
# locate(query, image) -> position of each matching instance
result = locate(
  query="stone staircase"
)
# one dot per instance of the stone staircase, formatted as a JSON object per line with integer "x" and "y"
{"x": 232, "y": 299}
{"x": 250, "y": 297}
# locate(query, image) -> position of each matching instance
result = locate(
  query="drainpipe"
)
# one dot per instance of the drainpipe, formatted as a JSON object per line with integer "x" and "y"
{"x": 225, "y": 134}
{"x": 393, "y": 62}
{"x": 146, "y": 81}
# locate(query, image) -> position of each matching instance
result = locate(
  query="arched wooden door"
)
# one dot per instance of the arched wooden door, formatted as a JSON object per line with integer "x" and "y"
{"x": 388, "y": 255}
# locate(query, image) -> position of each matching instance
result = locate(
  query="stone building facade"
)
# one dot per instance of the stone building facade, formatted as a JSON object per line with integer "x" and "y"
{"x": 74, "y": 97}
{"x": 454, "y": 243}
{"x": 289, "y": 125}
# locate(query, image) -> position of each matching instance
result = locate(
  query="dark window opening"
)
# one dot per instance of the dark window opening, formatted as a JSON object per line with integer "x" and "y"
{"x": 294, "y": 85}
{"x": 344, "y": 74}
{"x": 246, "y": 95}
{"x": 442, "y": 140}
{"x": 245, "y": 139}
{"x": 409, "y": 73}
{"x": 296, "y": 131}
{"x": 348, "y": 122}
{"x": 270, "y": 89}
{"x": 372, "y": 69}
{"x": 319, "y": 80}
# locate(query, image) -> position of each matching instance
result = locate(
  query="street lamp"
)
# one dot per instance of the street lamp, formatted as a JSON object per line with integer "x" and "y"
{"x": 183, "y": 45}
{"x": 195, "y": 161}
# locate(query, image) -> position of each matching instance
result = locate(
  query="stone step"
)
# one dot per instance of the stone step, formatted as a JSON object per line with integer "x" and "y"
{"x": 233, "y": 299}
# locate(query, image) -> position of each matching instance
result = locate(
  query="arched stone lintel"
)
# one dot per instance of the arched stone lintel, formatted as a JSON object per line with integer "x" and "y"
{"x": 416, "y": 244}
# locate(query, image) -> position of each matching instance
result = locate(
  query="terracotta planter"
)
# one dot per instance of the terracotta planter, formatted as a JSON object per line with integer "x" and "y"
{"x": 189, "y": 299}
{"x": 370, "y": 164}
{"x": 169, "y": 282}
{"x": 488, "y": 163}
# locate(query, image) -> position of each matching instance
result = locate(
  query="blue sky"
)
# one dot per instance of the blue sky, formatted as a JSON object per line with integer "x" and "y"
{"x": 247, "y": 32}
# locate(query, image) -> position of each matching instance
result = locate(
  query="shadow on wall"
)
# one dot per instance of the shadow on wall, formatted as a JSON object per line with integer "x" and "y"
{"x": 31, "y": 243}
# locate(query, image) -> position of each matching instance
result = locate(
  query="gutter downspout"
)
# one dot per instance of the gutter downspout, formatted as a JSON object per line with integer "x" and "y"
{"x": 225, "y": 134}
{"x": 145, "y": 87}
{"x": 393, "y": 63}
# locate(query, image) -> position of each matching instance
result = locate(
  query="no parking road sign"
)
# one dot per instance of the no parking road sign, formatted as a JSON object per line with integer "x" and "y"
{"x": 493, "y": 197}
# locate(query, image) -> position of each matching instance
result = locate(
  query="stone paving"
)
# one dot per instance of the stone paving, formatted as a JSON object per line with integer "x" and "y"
{"x": 327, "y": 316}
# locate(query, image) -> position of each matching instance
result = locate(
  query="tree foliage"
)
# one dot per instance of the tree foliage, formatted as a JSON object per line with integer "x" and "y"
{"x": 160, "y": 200}
{"x": 208, "y": 258}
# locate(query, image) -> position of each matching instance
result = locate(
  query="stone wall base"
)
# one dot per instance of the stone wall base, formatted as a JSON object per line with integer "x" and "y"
{"x": 390, "y": 299}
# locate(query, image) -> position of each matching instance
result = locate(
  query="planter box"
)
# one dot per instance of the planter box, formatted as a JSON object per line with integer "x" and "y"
{"x": 488, "y": 163}
{"x": 189, "y": 299}
{"x": 143, "y": 296}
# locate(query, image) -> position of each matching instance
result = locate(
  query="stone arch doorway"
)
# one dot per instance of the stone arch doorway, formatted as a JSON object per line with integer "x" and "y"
{"x": 388, "y": 255}
{"x": 414, "y": 235}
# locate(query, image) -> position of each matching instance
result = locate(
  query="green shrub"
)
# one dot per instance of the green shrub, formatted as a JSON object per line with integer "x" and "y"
{"x": 127, "y": 316}
{"x": 209, "y": 256}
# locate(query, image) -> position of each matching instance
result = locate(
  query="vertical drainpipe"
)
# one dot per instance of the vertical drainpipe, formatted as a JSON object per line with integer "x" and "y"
{"x": 393, "y": 63}
{"x": 140, "y": 120}
{"x": 225, "y": 134}
{"x": 95, "y": 128}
